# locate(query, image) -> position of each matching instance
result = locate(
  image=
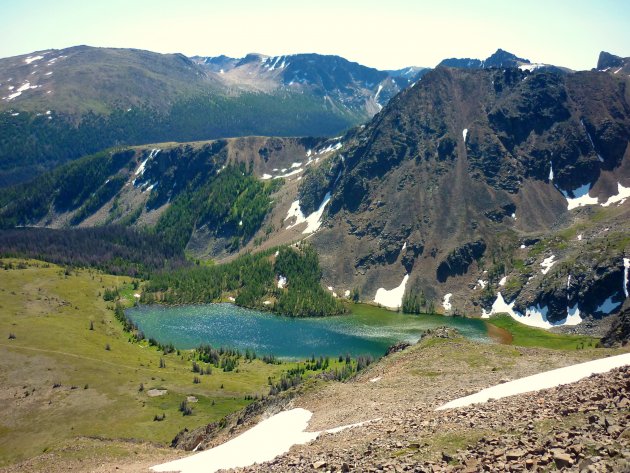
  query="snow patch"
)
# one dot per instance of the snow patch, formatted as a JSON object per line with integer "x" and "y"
{"x": 530, "y": 67}
{"x": 296, "y": 212}
{"x": 31, "y": 59}
{"x": 446, "y": 302}
{"x": 346, "y": 293}
{"x": 375, "y": 380}
{"x": 550, "y": 171}
{"x": 580, "y": 198}
{"x": 313, "y": 220}
{"x": 296, "y": 165}
{"x": 601, "y": 160}
{"x": 622, "y": 193}
{"x": 266, "y": 176}
{"x": 289, "y": 174}
{"x": 330, "y": 148}
{"x": 391, "y": 298}
{"x": 626, "y": 268}
{"x": 503, "y": 281}
{"x": 482, "y": 283}
{"x": 465, "y": 133}
{"x": 579, "y": 237}
{"x": 141, "y": 168}
{"x": 535, "y": 316}
{"x": 608, "y": 306}
{"x": 282, "y": 282}
{"x": 23, "y": 88}
{"x": 378, "y": 92}
{"x": 545, "y": 380}
{"x": 547, "y": 264}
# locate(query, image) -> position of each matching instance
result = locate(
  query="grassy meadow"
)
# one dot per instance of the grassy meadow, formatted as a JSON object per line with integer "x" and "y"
{"x": 526, "y": 336}
{"x": 61, "y": 380}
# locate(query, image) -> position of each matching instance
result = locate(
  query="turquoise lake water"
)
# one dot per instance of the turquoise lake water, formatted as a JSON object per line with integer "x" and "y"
{"x": 368, "y": 330}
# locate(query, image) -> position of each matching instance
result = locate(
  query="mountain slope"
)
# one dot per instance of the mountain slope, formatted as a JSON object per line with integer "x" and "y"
{"x": 357, "y": 87}
{"x": 446, "y": 184}
{"x": 58, "y": 105}
{"x": 80, "y": 79}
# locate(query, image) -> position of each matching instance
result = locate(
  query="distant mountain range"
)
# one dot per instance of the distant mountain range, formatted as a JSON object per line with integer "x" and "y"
{"x": 57, "y": 105}
{"x": 500, "y": 59}
{"x": 330, "y": 77}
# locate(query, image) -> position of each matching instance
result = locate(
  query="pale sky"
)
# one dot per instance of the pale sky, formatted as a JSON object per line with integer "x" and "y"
{"x": 386, "y": 34}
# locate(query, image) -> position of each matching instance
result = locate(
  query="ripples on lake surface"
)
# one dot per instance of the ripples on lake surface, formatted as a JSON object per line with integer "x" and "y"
{"x": 368, "y": 330}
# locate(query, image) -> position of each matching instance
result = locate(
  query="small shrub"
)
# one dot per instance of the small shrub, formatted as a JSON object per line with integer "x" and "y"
{"x": 185, "y": 409}
{"x": 159, "y": 418}
{"x": 162, "y": 363}
{"x": 141, "y": 388}
{"x": 12, "y": 336}
{"x": 196, "y": 380}
{"x": 107, "y": 347}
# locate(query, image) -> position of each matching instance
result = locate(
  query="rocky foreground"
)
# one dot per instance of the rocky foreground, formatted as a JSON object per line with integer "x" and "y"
{"x": 583, "y": 426}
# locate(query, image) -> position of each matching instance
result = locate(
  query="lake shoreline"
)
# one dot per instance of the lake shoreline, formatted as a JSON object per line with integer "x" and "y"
{"x": 368, "y": 330}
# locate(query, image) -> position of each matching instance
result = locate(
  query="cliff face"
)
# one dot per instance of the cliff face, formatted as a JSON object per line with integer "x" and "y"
{"x": 459, "y": 171}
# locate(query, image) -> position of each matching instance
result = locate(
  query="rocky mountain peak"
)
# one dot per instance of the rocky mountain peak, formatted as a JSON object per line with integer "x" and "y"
{"x": 500, "y": 58}
{"x": 612, "y": 64}
{"x": 608, "y": 60}
{"x": 503, "y": 58}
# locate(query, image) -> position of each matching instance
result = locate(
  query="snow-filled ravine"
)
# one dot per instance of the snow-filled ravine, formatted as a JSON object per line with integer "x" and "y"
{"x": 313, "y": 221}
{"x": 263, "y": 442}
{"x": 535, "y": 316}
{"x": 391, "y": 298}
{"x": 581, "y": 197}
{"x": 545, "y": 380}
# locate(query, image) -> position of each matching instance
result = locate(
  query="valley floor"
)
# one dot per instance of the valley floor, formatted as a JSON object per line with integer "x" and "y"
{"x": 72, "y": 428}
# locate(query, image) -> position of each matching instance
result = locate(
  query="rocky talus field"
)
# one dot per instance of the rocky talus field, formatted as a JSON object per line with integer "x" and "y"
{"x": 583, "y": 426}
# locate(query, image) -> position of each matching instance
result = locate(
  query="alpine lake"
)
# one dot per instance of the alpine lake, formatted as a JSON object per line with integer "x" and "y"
{"x": 368, "y": 330}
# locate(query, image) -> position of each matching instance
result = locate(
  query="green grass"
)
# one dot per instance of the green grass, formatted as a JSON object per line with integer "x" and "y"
{"x": 526, "y": 336}
{"x": 49, "y": 313}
